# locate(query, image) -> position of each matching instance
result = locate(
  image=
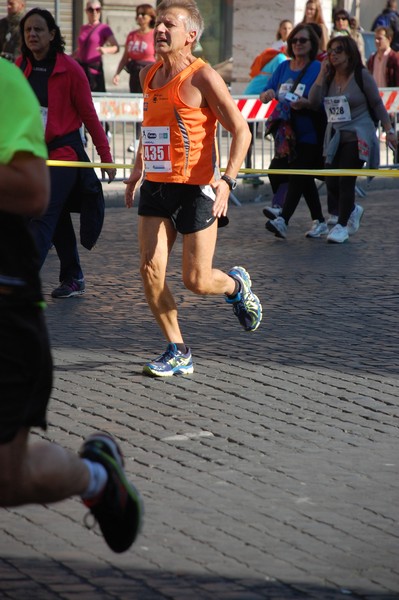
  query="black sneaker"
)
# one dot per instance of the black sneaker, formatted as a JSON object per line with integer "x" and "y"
{"x": 119, "y": 509}
{"x": 69, "y": 288}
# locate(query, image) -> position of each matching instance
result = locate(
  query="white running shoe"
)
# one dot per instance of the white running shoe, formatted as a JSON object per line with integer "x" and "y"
{"x": 338, "y": 234}
{"x": 355, "y": 218}
{"x": 332, "y": 220}
{"x": 272, "y": 212}
{"x": 277, "y": 226}
{"x": 317, "y": 229}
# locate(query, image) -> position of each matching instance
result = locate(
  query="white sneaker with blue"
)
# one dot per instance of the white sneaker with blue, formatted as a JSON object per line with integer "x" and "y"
{"x": 278, "y": 226}
{"x": 272, "y": 212}
{"x": 317, "y": 229}
{"x": 338, "y": 234}
{"x": 332, "y": 220}
{"x": 171, "y": 362}
{"x": 355, "y": 218}
{"x": 246, "y": 305}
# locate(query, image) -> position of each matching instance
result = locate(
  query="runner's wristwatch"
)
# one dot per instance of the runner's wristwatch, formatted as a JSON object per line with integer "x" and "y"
{"x": 232, "y": 183}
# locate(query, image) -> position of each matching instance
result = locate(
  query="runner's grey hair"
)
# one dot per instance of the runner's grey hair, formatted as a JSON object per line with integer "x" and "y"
{"x": 194, "y": 21}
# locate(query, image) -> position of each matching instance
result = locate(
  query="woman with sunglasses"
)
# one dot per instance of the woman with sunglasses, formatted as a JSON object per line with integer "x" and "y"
{"x": 290, "y": 85}
{"x": 350, "y": 94}
{"x": 95, "y": 39}
{"x": 139, "y": 48}
{"x": 342, "y": 26}
{"x": 139, "y": 52}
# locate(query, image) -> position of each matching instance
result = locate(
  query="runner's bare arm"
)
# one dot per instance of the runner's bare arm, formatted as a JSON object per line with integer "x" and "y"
{"x": 135, "y": 177}
{"x": 220, "y": 101}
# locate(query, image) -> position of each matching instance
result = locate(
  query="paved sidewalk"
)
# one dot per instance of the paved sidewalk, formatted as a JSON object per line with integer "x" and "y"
{"x": 272, "y": 472}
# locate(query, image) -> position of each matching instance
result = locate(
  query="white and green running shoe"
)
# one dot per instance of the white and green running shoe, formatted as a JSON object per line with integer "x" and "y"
{"x": 171, "y": 362}
{"x": 246, "y": 305}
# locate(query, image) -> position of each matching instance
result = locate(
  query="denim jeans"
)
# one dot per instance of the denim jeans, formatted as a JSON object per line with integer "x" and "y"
{"x": 55, "y": 226}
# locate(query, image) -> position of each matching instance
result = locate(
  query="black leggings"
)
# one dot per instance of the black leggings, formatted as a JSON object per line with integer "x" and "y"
{"x": 341, "y": 190}
{"x": 277, "y": 180}
{"x": 308, "y": 157}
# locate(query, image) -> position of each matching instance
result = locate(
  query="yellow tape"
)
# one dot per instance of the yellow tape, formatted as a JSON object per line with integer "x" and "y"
{"x": 327, "y": 172}
{"x": 312, "y": 172}
{"x": 86, "y": 165}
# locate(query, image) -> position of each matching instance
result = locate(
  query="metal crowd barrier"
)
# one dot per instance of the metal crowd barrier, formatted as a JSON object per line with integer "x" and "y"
{"x": 123, "y": 114}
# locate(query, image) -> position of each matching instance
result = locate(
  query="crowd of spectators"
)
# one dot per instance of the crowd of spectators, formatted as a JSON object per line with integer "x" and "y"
{"x": 271, "y": 77}
{"x": 342, "y": 87}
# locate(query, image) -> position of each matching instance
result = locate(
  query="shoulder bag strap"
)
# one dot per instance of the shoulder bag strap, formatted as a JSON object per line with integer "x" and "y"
{"x": 301, "y": 74}
{"x": 89, "y": 36}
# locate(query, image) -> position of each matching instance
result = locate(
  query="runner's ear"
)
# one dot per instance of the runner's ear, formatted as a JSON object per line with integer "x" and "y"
{"x": 191, "y": 36}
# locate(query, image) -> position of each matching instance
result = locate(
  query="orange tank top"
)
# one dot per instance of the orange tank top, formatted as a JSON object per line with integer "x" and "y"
{"x": 178, "y": 140}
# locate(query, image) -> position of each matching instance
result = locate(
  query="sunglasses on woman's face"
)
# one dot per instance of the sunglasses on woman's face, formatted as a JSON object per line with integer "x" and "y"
{"x": 336, "y": 50}
{"x": 141, "y": 14}
{"x": 300, "y": 40}
{"x": 92, "y": 10}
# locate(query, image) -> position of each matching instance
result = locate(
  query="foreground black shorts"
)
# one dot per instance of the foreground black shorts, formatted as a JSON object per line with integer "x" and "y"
{"x": 189, "y": 207}
{"x": 25, "y": 370}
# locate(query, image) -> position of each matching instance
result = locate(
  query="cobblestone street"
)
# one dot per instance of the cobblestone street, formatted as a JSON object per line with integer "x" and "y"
{"x": 272, "y": 471}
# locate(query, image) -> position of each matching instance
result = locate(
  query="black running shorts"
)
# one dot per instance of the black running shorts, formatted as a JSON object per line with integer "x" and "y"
{"x": 188, "y": 206}
{"x": 25, "y": 370}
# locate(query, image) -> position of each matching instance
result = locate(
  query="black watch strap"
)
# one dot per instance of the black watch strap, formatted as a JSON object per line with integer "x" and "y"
{"x": 232, "y": 183}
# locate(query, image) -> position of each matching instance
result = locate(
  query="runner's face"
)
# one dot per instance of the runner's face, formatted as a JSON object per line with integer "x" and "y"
{"x": 37, "y": 36}
{"x": 170, "y": 31}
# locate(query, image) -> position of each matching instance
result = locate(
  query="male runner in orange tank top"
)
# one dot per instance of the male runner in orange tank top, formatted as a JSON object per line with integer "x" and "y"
{"x": 182, "y": 189}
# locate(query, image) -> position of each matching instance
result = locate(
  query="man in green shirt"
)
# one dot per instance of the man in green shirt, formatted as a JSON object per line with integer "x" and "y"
{"x": 41, "y": 472}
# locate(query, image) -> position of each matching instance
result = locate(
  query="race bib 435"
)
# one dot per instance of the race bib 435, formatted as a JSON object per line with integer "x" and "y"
{"x": 156, "y": 149}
